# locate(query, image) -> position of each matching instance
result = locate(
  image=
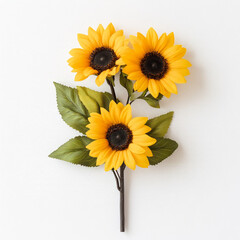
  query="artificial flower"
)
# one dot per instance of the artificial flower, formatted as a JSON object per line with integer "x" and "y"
{"x": 119, "y": 138}
{"x": 155, "y": 63}
{"x": 99, "y": 55}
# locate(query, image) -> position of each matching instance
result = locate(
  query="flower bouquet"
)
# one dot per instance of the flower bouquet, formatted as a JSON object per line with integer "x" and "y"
{"x": 148, "y": 67}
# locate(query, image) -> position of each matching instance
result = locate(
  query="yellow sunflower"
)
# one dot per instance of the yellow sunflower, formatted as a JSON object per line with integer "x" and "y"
{"x": 99, "y": 55}
{"x": 119, "y": 138}
{"x": 155, "y": 63}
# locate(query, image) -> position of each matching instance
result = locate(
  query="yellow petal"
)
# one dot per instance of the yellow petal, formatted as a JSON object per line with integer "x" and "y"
{"x": 111, "y": 28}
{"x": 144, "y": 140}
{"x": 79, "y": 77}
{"x": 126, "y": 114}
{"x": 78, "y": 62}
{"x": 89, "y": 71}
{"x": 77, "y": 52}
{"x": 114, "y": 112}
{"x": 141, "y": 84}
{"x": 135, "y": 148}
{"x": 94, "y": 135}
{"x": 153, "y": 87}
{"x": 177, "y": 55}
{"x": 169, "y": 85}
{"x": 176, "y": 77}
{"x": 137, "y": 122}
{"x": 119, "y": 42}
{"x": 94, "y": 37}
{"x": 141, "y": 160}
{"x": 129, "y": 160}
{"x": 120, "y": 106}
{"x": 98, "y": 144}
{"x": 103, "y": 155}
{"x": 182, "y": 71}
{"x": 142, "y": 130}
{"x": 163, "y": 90}
{"x": 84, "y": 42}
{"x": 120, "y": 62}
{"x": 168, "y": 53}
{"x": 152, "y": 37}
{"x": 100, "y": 29}
{"x": 135, "y": 75}
{"x": 105, "y": 37}
{"x": 113, "y": 38}
{"x": 170, "y": 41}
{"x": 119, "y": 161}
{"x": 131, "y": 68}
{"x": 109, "y": 164}
{"x": 161, "y": 42}
{"x": 106, "y": 116}
{"x": 148, "y": 152}
{"x": 101, "y": 77}
{"x": 143, "y": 41}
{"x": 181, "y": 63}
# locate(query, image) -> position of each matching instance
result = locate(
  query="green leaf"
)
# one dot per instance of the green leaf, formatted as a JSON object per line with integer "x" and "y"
{"x": 71, "y": 108}
{"x": 159, "y": 125}
{"x": 153, "y": 102}
{"x": 93, "y": 100}
{"x": 162, "y": 149}
{"x": 134, "y": 96}
{"x": 126, "y": 83}
{"x": 75, "y": 151}
{"x": 111, "y": 80}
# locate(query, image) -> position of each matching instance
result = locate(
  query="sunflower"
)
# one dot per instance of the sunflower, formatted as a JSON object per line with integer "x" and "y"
{"x": 155, "y": 63}
{"x": 119, "y": 138}
{"x": 99, "y": 55}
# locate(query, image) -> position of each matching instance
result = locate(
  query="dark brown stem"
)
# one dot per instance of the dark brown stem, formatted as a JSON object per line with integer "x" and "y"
{"x": 117, "y": 178}
{"x": 122, "y": 215}
{"x": 112, "y": 90}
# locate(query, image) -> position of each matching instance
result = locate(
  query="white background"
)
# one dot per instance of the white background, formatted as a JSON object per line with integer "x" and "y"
{"x": 194, "y": 194}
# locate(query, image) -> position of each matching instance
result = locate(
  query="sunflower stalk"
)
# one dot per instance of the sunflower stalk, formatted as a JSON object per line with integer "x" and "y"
{"x": 119, "y": 177}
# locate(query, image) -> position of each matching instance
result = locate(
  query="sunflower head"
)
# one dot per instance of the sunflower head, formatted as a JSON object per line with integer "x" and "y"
{"x": 155, "y": 63}
{"x": 99, "y": 55}
{"x": 119, "y": 138}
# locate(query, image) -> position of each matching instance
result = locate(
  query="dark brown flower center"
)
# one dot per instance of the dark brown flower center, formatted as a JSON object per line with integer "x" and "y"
{"x": 153, "y": 65}
{"x": 102, "y": 58}
{"x": 119, "y": 137}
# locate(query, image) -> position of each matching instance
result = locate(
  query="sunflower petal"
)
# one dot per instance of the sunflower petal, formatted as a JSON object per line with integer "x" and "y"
{"x": 142, "y": 130}
{"x": 152, "y": 38}
{"x": 84, "y": 41}
{"x": 129, "y": 160}
{"x": 106, "y": 37}
{"x": 101, "y": 77}
{"x": 79, "y": 77}
{"x": 100, "y": 29}
{"x": 126, "y": 114}
{"x": 176, "y": 77}
{"x": 94, "y": 37}
{"x": 103, "y": 155}
{"x": 169, "y": 85}
{"x": 181, "y": 63}
{"x": 137, "y": 123}
{"x": 144, "y": 140}
{"x": 110, "y": 162}
{"x": 98, "y": 144}
{"x": 89, "y": 71}
{"x": 135, "y": 148}
{"x": 141, "y": 160}
{"x": 153, "y": 87}
{"x": 148, "y": 152}
{"x": 119, "y": 161}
